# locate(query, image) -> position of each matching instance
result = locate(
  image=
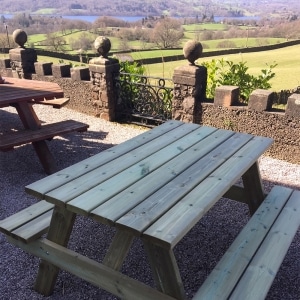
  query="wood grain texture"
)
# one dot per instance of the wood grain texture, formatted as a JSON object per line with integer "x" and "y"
{"x": 250, "y": 264}
{"x": 46, "y": 132}
{"x": 24, "y": 216}
{"x": 91, "y": 271}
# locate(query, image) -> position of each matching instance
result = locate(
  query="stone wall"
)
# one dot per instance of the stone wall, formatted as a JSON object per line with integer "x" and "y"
{"x": 285, "y": 130}
{"x": 79, "y": 92}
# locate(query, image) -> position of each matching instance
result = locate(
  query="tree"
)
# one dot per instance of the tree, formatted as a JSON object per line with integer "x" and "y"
{"x": 55, "y": 42}
{"x": 83, "y": 42}
{"x": 167, "y": 33}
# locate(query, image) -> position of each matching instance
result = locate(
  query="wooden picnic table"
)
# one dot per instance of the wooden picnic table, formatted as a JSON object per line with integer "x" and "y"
{"x": 156, "y": 187}
{"x": 22, "y": 94}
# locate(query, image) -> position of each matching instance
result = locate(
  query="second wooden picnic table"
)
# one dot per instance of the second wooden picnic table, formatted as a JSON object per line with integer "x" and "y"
{"x": 22, "y": 94}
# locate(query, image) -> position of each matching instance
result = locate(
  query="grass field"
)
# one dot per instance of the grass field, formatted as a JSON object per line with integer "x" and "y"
{"x": 190, "y": 32}
{"x": 205, "y": 26}
{"x": 287, "y": 70}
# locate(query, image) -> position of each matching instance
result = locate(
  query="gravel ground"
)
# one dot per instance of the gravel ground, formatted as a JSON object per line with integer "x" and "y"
{"x": 196, "y": 257}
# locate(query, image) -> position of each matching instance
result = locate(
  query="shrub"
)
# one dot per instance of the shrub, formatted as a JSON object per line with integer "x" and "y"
{"x": 224, "y": 72}
{"x": 132, "y": 68}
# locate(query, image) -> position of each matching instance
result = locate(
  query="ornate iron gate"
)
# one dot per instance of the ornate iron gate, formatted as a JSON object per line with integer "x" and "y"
{"x": 143, "y": 99}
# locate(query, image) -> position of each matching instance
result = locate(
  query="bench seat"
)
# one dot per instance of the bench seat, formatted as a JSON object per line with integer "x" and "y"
{"x": 248, "y": 268}
{"x": 55, "y": 103}
{"x": 28, "y": 224}
{"x": 25, "y": 228}
{"x": 48, "y": 131}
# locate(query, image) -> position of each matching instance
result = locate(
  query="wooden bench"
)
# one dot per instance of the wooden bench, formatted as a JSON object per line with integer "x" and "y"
{"x": 248, "y": 268}
{"x": 46, "y": 132}
{"x": 25, "y": 228}
{"x": 55, "y": 103}
{"x": 28, "y": 224}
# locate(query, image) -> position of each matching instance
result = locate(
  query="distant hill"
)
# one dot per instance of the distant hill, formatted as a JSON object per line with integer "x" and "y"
{"x": 179, "y": 8}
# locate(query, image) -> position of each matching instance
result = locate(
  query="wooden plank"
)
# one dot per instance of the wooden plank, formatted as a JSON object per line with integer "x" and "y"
{"x": 33, "y": 229}
{"x": 153, "y": 160}
{"x": 59, "y": 232}
{"x": 24, "y": 216}
{"x": 165, "y": 270}
{"x": 236, "y": 193}
{"x": 205, "y": 157}
{"x": 91, "y": 271}
{"x": 27, "y": 115}
{"x": 55, "y": 103}
{"x": 254, "y": 190}
{"x": 43, "y": 186}
{"x": 89, "y": 180}
{"x": 260, "y": 273}
{"x": 47, "y": 131}
{"x": 19, "y": 90}
{"x": 118, "y": 250}
{"x": 45, "y": 156}
{"x": 172, "y": 226}
{"x": 226, "y": 274}
{"x": 31, "y": 121}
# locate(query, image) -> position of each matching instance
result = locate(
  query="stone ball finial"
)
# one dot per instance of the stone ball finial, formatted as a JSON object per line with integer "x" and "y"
{"x": 20, "y": 37}
{"x": 192, "y": 50}
{"x": 102, "y": 44}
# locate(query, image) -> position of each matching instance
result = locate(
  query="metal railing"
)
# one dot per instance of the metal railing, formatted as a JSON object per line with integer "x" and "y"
{"x": 144, "y": 99}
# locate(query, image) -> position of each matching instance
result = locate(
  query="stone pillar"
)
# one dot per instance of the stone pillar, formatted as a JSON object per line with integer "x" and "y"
{"x": 22, "y": 59}
{"x": 189, "y": 92}
{"x": 22, "y": 62}
{"x": 102, "y": 73}
{"x": 189, "y": 86}
{"x": 103, "y": 70}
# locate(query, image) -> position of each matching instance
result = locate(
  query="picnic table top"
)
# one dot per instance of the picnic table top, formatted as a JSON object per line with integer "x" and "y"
{"x": 15, "y": 90}
{"x": 156, "y": 184}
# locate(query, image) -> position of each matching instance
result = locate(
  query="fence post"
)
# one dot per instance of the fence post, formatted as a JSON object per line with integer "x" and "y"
{"x": 189, "y": 86}
{"x": 102, "y": 73}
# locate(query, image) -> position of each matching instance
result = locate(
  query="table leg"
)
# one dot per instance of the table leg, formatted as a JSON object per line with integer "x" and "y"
{"x": 165, "y": 270}
{"x": 254, "y": 190}
{"x": 59, "y": 232}
{"x": 27, "y": 115}
{"x": 118, "y": 250}
{"x": 45, "y": 156}
{"x": 31, "y": 121}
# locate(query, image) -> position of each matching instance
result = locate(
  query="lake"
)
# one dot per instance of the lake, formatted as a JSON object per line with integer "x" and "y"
{"x": 92, "y": 19}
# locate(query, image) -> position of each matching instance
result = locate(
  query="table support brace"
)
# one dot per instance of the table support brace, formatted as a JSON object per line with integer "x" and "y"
{"x": 59, "y": 233}
{"x": 253, "y": 188}
{"x": 165, "y": 270}
{"x": 31, "y": 121}
{"x": 118, "y": 250}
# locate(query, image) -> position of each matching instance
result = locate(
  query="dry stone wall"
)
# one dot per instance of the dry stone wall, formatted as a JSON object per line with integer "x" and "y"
{"x": 285, "y": 130}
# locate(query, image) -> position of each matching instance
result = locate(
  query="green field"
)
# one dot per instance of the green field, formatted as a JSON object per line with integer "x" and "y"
{"x": 190, "y": 32}
{"x": 287, "y": 72}
{"x": 287, "y": 69}
{"x": 205, "y": 26}
{"x": 45, "y": 11}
